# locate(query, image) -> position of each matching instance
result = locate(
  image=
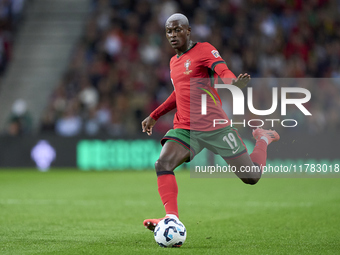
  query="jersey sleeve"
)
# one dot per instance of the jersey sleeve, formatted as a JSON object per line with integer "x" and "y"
{"x": 212, "y": 59}
{"x": 224, "y": 73}
{"x": 210, "y": 56}
{"x": 168, "y": 105}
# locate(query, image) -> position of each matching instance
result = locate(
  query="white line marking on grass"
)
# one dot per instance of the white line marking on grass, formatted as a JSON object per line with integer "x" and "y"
{"x": 278, "y": 204}
{"x": 12, "y": 201}
{"x": 257, "y": 204}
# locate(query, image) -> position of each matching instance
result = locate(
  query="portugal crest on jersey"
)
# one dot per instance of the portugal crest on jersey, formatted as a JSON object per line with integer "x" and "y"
{"x": 186, "y": 65}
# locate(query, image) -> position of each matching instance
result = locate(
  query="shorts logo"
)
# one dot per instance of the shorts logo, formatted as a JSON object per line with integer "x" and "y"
{"x": 186, "y": 65}
{"x": 234, "y": 151}
{"x": 215, "y": 53}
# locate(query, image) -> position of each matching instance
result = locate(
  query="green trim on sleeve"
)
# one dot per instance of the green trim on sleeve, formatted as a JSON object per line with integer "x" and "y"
{"x": 216, "y": 63}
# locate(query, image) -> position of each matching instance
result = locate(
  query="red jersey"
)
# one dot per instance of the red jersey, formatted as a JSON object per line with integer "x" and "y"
{"x": 193, "y": 73}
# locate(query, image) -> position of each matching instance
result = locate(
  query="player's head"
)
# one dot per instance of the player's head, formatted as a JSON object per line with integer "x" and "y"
{"x": 177, "y": 31}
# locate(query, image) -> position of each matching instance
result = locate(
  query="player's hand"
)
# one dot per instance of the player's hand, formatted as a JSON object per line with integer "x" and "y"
{"x": 148, "y": 124}
{"x": 241, "y": 81}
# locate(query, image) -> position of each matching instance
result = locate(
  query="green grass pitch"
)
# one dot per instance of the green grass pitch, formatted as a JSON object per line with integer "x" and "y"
{"x": 74, "y": 212}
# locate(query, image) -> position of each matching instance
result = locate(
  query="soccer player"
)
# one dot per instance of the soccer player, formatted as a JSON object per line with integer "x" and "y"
{"x": 192, "y": 133}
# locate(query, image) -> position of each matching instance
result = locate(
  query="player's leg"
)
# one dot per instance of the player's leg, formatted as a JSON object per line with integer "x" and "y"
{"x": 249, "y": 167}
{"x": 248, "y": 171}
{"x": 172, "y": 155}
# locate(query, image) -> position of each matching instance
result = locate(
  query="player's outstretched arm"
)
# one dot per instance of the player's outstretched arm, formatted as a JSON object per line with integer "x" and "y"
{"x": 229, "y": 78}
{"x": 147, "y": 125}
{"x": 164, "y": 108}
{"x": 241, "y": 81}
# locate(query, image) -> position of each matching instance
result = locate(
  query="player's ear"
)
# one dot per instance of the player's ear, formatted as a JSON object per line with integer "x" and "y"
{"x": 188, "y": 30}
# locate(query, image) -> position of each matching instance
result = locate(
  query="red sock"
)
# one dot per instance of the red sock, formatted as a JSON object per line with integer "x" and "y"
{"x": 168, "y": 190}
{"x": 259, "y": 155}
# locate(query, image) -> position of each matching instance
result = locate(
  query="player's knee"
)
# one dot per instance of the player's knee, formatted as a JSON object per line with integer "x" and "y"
{"x": 251, "y": 181}
{"x": 164, "y": 165}
{"x": 253, "y": 178}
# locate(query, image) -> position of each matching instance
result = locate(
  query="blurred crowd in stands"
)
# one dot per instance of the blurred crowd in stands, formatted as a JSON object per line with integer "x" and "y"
{"x": 11, "y": 12}
{"x": 10, "y": 15}
{"x": 118, "y": 73}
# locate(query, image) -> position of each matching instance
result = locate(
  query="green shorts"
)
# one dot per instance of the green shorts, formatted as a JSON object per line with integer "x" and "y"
{"x": 225, "y": 142}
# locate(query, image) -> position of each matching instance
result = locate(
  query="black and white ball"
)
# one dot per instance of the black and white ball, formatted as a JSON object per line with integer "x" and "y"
{"x": 170, "y": 232}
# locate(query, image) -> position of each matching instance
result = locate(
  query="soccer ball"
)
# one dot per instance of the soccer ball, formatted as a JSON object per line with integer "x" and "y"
{"x": 170, "y": 232}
